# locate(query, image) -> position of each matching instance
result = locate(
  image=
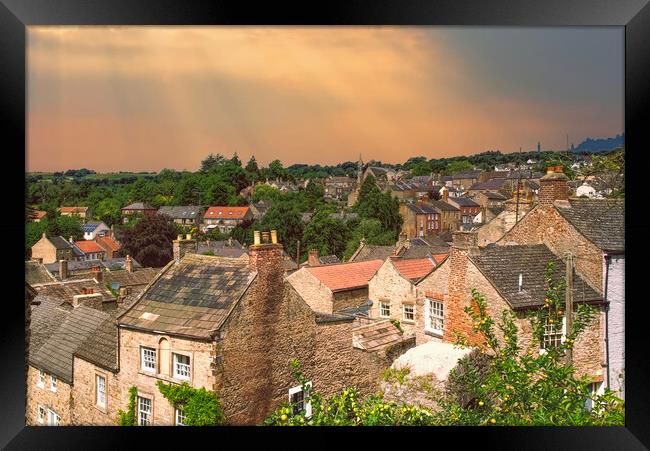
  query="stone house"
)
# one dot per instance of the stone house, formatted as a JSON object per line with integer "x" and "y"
{"x": 83, "y": 212}
{"x": 110, "y": 245}
{"x": 259, "y": 209}
{"x": 187, "y": 215}
{"x": 331, "y": 288}
{"x": 91, "y": 250}
{"x": 493, "y": 230}
{"x": 139, "y": 208}
{"x": 225, "y": 218}
{"x": 593, "y": 230}
{"x": 392, "y": 289}
{"x": 511, "y": 278}
{"x": 338, "y": 187}
{"x": 465, "y": 179}
{"x": 93, "y": 229}
{"x": 51, "y": 250}
{"x": 468, "y": 208}
{"x": 233, "y": 326}
{"x": 38, "y": 215}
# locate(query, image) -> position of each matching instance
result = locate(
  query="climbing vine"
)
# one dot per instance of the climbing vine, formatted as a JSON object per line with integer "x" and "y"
{"x": 200, "y": 406}
{"x": 128, "y": 418}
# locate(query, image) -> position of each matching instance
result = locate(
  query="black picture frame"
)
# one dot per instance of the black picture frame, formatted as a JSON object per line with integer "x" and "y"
{"x": 16, "y": 15}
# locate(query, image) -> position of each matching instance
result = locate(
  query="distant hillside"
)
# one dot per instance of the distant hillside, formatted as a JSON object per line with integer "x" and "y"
{"x": 601, "y": 145}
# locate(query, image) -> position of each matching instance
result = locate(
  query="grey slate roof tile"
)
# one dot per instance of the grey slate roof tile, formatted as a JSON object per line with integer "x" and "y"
{"x": 601, "y": 221}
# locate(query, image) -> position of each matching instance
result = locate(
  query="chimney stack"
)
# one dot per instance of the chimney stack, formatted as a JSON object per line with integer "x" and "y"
{"x": 128, "y": 264}
{"x": 71, "y": 240}
{"x": 63, "y": 269}
{"x": 268, "y": 260}
{"x": 182, "y": 246}
{"x": 553, "y": 186}
{"x": 97, "y": 274}
{"x": 445, "y": 194}
{"x": 313, "y": 258}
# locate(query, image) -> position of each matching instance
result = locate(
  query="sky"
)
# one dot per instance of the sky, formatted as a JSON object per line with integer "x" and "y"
{"x": 148, "y": 98}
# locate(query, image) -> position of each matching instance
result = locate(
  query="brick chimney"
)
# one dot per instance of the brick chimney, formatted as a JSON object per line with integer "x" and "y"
{"x": 183, "y": 246}
{"x": 128, "y": 263}
{"x": 63, "y": 269}
{"x": 97, "y": 274}
{"x": 266, "y": 257}
{"x": 313, "y": 258}
{"x": 465, "y": 244}
{"x": 553, "y": 186}
{"x": 445, "y": 194}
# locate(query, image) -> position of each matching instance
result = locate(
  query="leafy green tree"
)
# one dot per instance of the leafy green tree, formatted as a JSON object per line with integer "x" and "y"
{"x": 251, "y": 166}
{"x": 211, "y": 162}
{"x": 276, "y": 170}
{"x": 372, "y": 231}
{"x": 314, "y": 193}
{"x": 150, "y": 240}
{"x": 235, "y": 160}
{"x": 33, "y": 233}
{"x": 325, "y": 234}
{"x": 266, "y": 193}
{"x": 218, "y": 192}
{"x": 422, "y": 168}
{"x": 458, "y": 166}
{"x": 109, "y": 211}
{"x": 189, "y": 190}
{"x": 286, "y": 219}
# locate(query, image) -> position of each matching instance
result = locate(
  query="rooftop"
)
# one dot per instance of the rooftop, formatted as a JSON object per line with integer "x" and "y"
{"x": 497, "y": 183}
{"x": 413, "y": 269}
{"x": 346, "y": 276}
{"x": 87, "y": 246}
{"x": 36, "y": 273}
{"x": 138, "y": 206}
{"x": 226, "y": 212}
{"x": 181, "y": 212}
{"x": 601, "y": 221}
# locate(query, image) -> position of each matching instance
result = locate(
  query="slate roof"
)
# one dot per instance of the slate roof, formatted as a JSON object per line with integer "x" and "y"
{"x": 329, "y": 259}
{"x": 65, "y": 291}
{"x": 421, "y": 248}
{"x": 91, "y": 226}
{"x": 372, "y": 337}
{"x": 140, "y": 276}
{"x": 503, "y": 264}
{"x": 345, "y": 217}
{"x": 346, "y": 276}
{"x": 464, "y": 201}
{"x": 118, "y": 263}
{"x": 138, "y": 206}
{"x": 422, "y": 209}
{"x": 67, "y": 333}
{"x": 601, "y": 221}
{"x": 181, "y": 212}
{"x": 191, "y": 297}
{"x": 59, "y": 242}
{"x": 498, "y": 183}
{"x": 467, "y": 175}
{"x": 36, "y": 273}
{"x": 494, "y": 196}
{"x": 443, "y": 206}
{"x": 372, "y": 252}
{"x": 221, "y": 248}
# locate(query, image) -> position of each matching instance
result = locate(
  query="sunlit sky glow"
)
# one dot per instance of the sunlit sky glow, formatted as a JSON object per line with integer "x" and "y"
{"x": 147, "y": 98}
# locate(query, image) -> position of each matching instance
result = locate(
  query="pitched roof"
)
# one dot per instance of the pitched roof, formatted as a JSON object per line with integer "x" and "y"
{"x": 67, "y": 333}
{"x": 88, "y": 246}
{"x": 345, "y": 276}
{"x": 367, "y": 252}
{"x": 222, "y": 248}
{"x": 443, "y": 206}
{"x": 59, "y": 242}
{"x": 39, "y": 214}
{"x": 503, "y": 264}
{"x": 413, "y": 269}
{"x": 421, "y": 208}
{"x": 108, "y": 243}
{"x": 376, "y": 335}
{"x": 226, "y": 212}
{"x": 66, "y": 290}
{"x": 181, "y": 212}
{"x": 498, "y": 183}
{"x": 138, "y": 206}
{"x": 191, "y": 297}
{"x": 463, "y": 202}
{"x": 36, "y": 273}
{"x": 139, "y": 276}
{"x": 474, "y": 174}
{"x": 91, "y": 226}
{"x": 494, "y": 196}
{"x": 329, "y": 259}
{"x": 601, "y": 221}
{"x": 73, "y": 210}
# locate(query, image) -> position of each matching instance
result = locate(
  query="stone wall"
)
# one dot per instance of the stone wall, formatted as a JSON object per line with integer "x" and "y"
{"x": 201, "y": 374}
{"x": 86, "y": 411}
{"x": 388, "y": 285}
{"x": 436, "y": 286}
{"x": 349, "y": 298}
{"x": 44, "y": 250}
{"x": 59, "y": 401}
{"x": 317, "y": 295}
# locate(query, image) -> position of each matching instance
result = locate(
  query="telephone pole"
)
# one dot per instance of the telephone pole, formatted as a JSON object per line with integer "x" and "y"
{"x": 517, "y": 209}
{"x": 298, "y": 253}
{"x": 569, "y": 302}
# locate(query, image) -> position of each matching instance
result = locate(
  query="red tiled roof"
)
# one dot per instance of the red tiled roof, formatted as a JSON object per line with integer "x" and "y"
{"x": 415, "y": 268}
{"x": 346, "y": 276}
{"x": 439, "y": 258}
{"x": 89, "y": 246}
{"x": 39, "y": 214}
{"x": 108, "y": 242}
{"x": 226, "y": 212}
{"x": 73, "y": 209}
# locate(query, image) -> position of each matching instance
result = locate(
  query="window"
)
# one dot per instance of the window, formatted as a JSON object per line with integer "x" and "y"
{"x": 149, "y": 360}
{"x": 41, "y": 379}
{"x": 53, "y": 383}
{"x": 53, "y": 418}
{"x": 180, "y": 417}
{"x": 594, "y": 390}
{"x": 181, "y": 366}
{"x": 384, "y": 309}
{"x": 408, "y": 312}
{"x": 41, "y": 414}
{"x": 297, "y": 399}
{"x": 144, "y": 411}
{"x": 553, "y": 335}
{"x": 434, "y": 320}
{"x": 101, "y": 390}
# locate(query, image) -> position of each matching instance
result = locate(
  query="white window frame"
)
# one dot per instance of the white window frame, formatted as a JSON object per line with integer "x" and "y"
{"x": 429, "y": 310}
{"x": 100, "y": 395}
{"x": 179, "y": 417}
{"x": 148, "y": 412}
{"x": 306, "y": 404}
{"x": 40, "y": 414}
{"x": 542, "y": 347}
{"x": 383, "y": 304}
{"x": 53, "y": 382}
{"x": 143, "y": 367}
{"x": 404, "y": 318}
{"x": 41, "y": 379}
{"x": 52, "y": 414}
{"x": 178, "y": 375}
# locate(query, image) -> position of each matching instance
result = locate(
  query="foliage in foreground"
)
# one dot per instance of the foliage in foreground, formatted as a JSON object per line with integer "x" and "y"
{"x": 200, "y": 406}
{"x": 497, "y": 384}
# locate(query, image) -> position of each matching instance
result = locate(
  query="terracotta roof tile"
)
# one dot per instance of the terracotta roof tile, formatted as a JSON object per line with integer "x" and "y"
{"x": 73, "y": 210}
{"x": 346, "y": 276}
{"x": 226, "y": 212}
{"x": 413, "y": 269}
{"x": 108, "y": 243}
{"x": 89, "y": 246}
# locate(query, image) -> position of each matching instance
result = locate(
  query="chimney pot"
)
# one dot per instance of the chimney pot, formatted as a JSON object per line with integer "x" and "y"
{"x": 188, "y": 236}
{"x": 274, "y": 236}
{"x": 266, "y": 237}
{"x": 256, "y": 237}
{"x": 313, "y": 258}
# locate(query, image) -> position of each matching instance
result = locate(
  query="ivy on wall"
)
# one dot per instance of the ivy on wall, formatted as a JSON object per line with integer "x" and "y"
{"x": 128, "y": 418}
{"x": 200, "y": 406}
